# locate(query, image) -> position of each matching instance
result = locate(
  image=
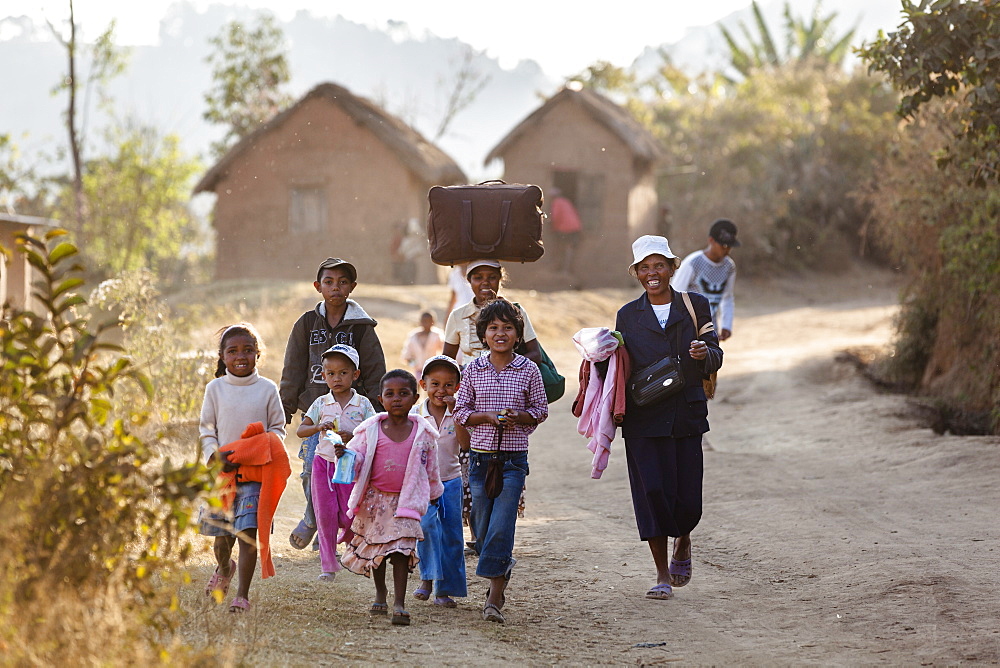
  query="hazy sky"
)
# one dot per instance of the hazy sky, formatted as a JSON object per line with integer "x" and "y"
{"x": 562, "y": 36}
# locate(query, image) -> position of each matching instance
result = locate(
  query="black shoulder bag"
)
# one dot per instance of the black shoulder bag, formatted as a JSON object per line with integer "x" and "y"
{"x": 659, "y": 380}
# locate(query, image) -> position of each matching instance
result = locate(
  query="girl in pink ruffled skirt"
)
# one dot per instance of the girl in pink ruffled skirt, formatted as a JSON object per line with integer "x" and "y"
{"x": 397, "y": 479}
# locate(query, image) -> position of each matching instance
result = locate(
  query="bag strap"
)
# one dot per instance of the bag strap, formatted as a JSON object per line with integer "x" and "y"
{"x": 707, "y": 327}
{"x": 483, "y": 249}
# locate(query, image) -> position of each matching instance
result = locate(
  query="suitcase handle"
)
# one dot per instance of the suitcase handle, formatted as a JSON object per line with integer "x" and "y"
{"x": 486, "y": 183}
{"x": 467, "y": 226}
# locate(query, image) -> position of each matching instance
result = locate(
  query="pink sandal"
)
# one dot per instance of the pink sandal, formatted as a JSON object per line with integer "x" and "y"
{"x": 239, "y": 604}
{"x": 220, "y": 582}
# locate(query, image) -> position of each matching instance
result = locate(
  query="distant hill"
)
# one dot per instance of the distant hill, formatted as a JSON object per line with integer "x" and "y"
{"x": 165, "y": 84}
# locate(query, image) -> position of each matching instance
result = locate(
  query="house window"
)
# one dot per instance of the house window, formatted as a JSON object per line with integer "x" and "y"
{"x": 307, "y": 211}
{"x": 586, "y": 191}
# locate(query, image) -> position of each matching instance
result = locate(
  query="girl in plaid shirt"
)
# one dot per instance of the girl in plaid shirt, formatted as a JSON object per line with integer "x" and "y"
{"x": 501, "y": 400}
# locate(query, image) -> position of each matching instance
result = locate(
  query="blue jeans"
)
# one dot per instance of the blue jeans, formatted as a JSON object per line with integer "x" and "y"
{"x": 442, "y": 551}
{"x": 494, "y": 519}
{"x": 306, "y": 453}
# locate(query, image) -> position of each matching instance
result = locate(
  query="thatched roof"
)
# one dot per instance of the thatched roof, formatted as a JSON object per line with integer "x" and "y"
{"x": 422, "y": 157}
{"x": 616, "y": 119}
{"x": 27, "y": 221}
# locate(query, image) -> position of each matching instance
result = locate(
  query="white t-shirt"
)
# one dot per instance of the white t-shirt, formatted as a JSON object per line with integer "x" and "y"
{"x": 662, "y": 312}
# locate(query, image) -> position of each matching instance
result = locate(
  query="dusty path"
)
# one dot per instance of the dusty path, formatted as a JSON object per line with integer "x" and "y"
{"x": 836, "y": 531}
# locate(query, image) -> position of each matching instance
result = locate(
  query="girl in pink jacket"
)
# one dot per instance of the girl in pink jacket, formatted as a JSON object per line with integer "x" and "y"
{"x": 397, "y": 478}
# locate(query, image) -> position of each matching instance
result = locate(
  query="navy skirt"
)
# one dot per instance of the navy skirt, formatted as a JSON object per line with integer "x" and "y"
{"x": 666, "y": 476}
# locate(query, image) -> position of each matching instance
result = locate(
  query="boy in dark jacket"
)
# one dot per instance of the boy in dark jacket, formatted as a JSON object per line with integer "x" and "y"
{"x": 336, "y": 319}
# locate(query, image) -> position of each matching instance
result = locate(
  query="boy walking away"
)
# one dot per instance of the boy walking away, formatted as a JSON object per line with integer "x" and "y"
{"x": 711, "y": 272}
{"x": 340, "y": 410}
{"x": 335, "y": 320}
{"x": 442, "y": 552}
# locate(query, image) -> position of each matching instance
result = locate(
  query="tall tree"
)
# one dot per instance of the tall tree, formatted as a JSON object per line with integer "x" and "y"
{"x": 807, "y": 41}
{"x": 137, "y": 199}
{"x": 249, "y": 70}
{"x": 106, "y": 62}
{"x": 70, "y": 85}
{"x": 950, "y": 49}
{"x": 465, "y": 85}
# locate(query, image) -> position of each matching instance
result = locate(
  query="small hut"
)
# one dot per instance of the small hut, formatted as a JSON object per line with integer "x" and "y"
{"x": 333, "y": 175}
{"x": 602, "y": 160}
{"x": 16, "y": 274}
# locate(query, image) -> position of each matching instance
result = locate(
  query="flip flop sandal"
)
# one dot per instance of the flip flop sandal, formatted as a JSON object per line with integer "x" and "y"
{"x": 660, "y": 592}
{"x": 239, "y": 604}
{"x": 491, "y": 613}
{"x": 220, "y": 582}
{"x": 400, "y": 618}
{"x": 327, "y": 577}
{"x": 421, "y": 594}
{"x": 301, "y": 535}
{"x": 680, "y": 572}
{"x": 445, "y": 602}
{"x": 379, "y": 609}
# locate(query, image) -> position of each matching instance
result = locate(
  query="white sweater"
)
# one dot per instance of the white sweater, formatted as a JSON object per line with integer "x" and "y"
{"x": 233, "y": 402}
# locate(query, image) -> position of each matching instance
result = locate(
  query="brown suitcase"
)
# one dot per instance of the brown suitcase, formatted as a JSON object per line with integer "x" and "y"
{"x": 492, "y": 220}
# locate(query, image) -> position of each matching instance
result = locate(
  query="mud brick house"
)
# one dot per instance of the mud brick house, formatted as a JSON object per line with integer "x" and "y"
{"x": 333, "y": 175}
{"x": 16, "y": 273}
{"x": 604, "y": 161}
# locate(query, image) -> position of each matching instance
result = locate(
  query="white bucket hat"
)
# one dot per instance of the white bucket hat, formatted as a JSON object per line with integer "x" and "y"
{"x": 649, "y": 244}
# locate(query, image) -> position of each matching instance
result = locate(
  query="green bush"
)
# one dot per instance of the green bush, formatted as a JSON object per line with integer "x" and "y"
{"x": 155, "y": 337}
{"x": 87, "y": 511}
{"x": 942, "y": 233}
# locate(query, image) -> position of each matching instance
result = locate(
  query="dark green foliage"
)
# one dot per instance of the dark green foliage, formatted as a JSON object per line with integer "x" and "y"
{"x": 949, "y": 49}
{"x": 937, "y": 200}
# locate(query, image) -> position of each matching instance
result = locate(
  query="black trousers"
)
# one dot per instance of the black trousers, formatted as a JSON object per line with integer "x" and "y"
{"x": 666, "y": 477}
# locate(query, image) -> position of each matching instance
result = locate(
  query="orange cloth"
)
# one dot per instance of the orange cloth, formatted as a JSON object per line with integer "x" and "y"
{"x": 262, "y": 458}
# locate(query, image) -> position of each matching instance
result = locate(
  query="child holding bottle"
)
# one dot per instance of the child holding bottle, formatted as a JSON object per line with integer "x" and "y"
{"x": 339, "y": 411}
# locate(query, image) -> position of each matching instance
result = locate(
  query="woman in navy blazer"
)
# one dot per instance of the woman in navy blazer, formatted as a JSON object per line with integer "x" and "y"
{"x": 663, "y": 439}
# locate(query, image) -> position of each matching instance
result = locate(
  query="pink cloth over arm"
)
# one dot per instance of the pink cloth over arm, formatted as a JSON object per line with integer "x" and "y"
{"x": 602, "y": 400}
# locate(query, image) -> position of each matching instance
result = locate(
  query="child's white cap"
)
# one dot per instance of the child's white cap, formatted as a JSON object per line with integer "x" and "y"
{"x": 441, "y": 360}
{"x": 345, "y": 350}
{"x": 475, "y": 264}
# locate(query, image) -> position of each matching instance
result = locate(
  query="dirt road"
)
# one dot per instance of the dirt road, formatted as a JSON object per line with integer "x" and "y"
{"x": 836, "y": 530}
